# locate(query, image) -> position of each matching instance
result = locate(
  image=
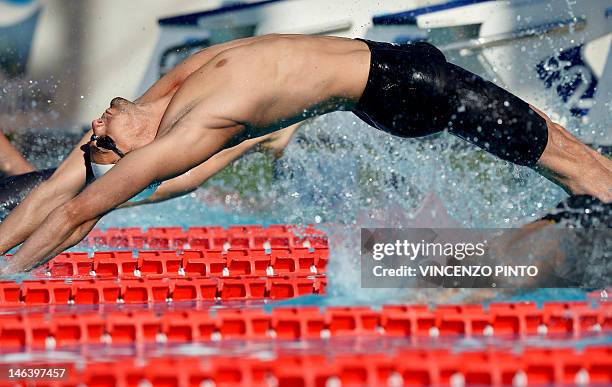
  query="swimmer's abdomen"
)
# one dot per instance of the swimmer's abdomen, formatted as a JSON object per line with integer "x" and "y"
{"x": 14, "y": 189}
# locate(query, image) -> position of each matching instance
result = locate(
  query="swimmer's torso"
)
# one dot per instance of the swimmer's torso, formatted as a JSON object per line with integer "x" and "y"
{"x": 271, "y": 83}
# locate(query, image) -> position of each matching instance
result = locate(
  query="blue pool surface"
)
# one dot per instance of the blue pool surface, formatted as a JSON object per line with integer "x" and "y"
{"x": 185, "y": 212}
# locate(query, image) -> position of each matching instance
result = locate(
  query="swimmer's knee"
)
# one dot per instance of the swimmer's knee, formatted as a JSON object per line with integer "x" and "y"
{"x": 428, "y": 68}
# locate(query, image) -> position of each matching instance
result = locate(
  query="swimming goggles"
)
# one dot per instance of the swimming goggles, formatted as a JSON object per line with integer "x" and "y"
{"x": 106, "y": 142}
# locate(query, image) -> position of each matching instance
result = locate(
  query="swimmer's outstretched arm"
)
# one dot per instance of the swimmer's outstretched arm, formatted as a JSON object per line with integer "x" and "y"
{"x": 11, "y": 161}
{"x": 190, "y": 181}
{"x": 67, "y": 181}
{"x": 157, "y": 161}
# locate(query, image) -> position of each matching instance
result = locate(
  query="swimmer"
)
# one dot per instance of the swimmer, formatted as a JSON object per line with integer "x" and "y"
{"x": 248, "y": 88}
{"x": 11, "y": 161}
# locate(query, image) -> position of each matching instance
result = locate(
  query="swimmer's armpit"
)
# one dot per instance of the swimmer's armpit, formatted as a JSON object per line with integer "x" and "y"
{"x": 276, "y": 142}
{"x": 191, "y": 180}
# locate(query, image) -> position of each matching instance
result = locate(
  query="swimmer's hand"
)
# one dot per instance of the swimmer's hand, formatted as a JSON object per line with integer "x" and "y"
{"x": 7, "y": 273}
{"x": 5, "y": 268}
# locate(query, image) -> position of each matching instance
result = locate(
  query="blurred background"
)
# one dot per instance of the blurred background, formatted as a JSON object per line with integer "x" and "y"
{"x": 67, "y": 59}
{"x": 62, "y": 61}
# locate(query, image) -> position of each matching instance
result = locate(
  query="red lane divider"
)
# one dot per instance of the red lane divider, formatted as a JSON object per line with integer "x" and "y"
{"x": 534, "y": 366}
{"x": 186, "y": 264}
{"x": 147, "y": 326}
{"x": 211, "y": 237}
{"x": 102, "y": 291}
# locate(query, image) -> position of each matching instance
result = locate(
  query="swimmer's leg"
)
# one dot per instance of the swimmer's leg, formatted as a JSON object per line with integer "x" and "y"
{"x": 513, "y": 130}
{"x": 424, "y": 94}
{"x": 413, "y": 91}
{"x": 492, "y": 118}
{"x": 568, "y": 162}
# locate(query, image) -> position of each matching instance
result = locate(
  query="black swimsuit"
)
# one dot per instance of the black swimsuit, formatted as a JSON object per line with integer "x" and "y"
{"x": 413, "y": 91}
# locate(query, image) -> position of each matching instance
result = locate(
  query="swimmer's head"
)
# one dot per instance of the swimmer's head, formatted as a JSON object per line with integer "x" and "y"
{"x": 127, "y": 123}
{"x": 122, "y": 128}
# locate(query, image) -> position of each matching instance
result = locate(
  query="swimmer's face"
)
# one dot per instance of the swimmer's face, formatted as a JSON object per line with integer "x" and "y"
{"x": 120, "y": 122}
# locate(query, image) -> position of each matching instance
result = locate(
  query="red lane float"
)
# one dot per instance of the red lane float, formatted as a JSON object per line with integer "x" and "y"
{"x": 149, "y": 326}
{"x": 211, "y": 237}
{"x": 102, "y": 291}
{"x": 533, "y": 366}
{"x": 187, "y": 264}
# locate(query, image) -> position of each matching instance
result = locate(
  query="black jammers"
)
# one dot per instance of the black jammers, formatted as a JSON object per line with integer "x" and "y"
{"x": 413, "y": 91}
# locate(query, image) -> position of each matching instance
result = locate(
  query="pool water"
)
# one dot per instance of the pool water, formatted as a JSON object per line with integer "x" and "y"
{"x": 183, "y": 212}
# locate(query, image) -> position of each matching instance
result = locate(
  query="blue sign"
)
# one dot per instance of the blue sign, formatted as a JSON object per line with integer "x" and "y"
{"x": 571, "y": 78}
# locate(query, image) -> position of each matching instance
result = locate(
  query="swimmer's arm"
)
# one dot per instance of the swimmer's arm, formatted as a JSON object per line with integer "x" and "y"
{"x": 188, "y": 182}
{"x": 80, "y": 233}
{"x": 171, "y": 81}
{"x": 156, "y": 161}
{"x": 62, "y": 186}
{"x": 11, "y": 161}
